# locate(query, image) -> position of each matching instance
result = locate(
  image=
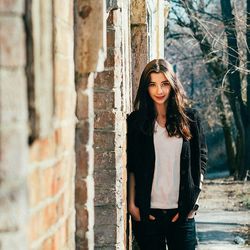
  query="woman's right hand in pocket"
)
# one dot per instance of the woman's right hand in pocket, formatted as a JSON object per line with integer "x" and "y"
{"x": 135, "y": 212}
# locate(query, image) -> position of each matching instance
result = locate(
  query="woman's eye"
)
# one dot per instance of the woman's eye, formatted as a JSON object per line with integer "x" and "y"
{"x": 165, "y": 83}
{"x": 151, "y": 84}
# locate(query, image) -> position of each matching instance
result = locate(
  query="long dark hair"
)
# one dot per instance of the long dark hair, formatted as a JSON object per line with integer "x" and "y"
{"x": 177, "y": 120}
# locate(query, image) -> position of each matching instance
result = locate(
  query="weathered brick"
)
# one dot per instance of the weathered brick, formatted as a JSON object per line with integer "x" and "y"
{"x": 43, "y": 149}
{"x": 64, "y": 70}
{"x": 82, "y": 159}
{"x": 110, "y": 60}
{"x": 111, "y": 38}
{"x": 82, "y": 133}
{"x": 62, "y": 12}
{"x": 13, "y": 165}
{"x": 81, "y": 81}
{"x": 103, "y": 213}
{"x": 104, "y": 100}
{"x": 82, "y": 106}
{"x": 13, "y": 210}
{"x": 64, "y": 137}
{"x": 104, "y": 80}
{"x": 52, "y": 213}
{"x": 105, "y": 179}
{"x": 34, "y": 183}
{"x": 82, "y": 219}
{"x": 104, "y": 120}
{"x": 12, "y": 6}
{"x": 81, "y": 243}
{"x": 69, "y": 197}
{"x": 105, "y": 196}
{"x": 12, "y": 42}
{"x": 54, "y": 178}
{"x": 63, "y": 38}
{"x": 35, "y": 227}
{"x": 105, "y": 234}
{"x": 113, "y": 18}
{"x": 104, "y": 140}
{"x": 13, "y": 96}
{"x": 64, "y": 103}
{"x": 80, "y": 192}
{"x": 104, "y": 160}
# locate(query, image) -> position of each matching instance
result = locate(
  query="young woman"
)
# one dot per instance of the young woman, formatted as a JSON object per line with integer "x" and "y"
{"x": 166, "y": 160}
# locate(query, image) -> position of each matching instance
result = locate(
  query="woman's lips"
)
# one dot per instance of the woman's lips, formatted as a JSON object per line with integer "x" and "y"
{"x": 160, "y": 97}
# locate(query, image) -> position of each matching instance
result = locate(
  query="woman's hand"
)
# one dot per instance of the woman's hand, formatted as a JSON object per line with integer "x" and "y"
{"x": 135, "y": 212}
{"x": 175, "y": 218}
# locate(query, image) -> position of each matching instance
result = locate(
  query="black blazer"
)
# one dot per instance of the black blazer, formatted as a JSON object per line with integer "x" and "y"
{"x": 141, "y": 161}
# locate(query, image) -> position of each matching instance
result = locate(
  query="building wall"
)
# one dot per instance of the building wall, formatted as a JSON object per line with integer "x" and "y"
{"x": 69, "y": 73}
{"x": 37, "y": 125}
{"x": 13, "y": 127}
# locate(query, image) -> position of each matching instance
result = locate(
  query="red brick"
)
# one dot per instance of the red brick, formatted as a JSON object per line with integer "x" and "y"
{"x": 82, "y": 106}
{"x": 81, "y": 192}
{"x": 81, "y": 81}
{"x": 43, "y": 149}
{"x": 82, "y": 219}
{"x": 34, "y": 184}
{"x": 65, "y": 137}
{"x": 110, "y": 38}
{"x": 35, "y": 226}
{"x": 104, "y": 160}
{"x": 104, "y": 80}
{"x": 104, "y": 100}
{"x": 82, "y": 159}
{"x": 104, "y": 141}
{"x": 104, "y": 120}
{"x": 82, "y": 133}
{"x": 110, "y": 60}
{"x": 113, "y": 18}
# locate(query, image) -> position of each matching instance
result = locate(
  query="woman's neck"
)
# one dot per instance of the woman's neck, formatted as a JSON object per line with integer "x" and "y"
{"x": 161, "y": 110}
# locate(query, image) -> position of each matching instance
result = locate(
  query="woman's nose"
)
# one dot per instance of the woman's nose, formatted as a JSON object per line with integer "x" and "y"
{"x": 159, "y": 90}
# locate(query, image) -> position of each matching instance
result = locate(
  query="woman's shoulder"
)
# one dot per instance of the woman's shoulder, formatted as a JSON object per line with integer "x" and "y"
{"x": 133, "y": 115}
{"x": 132, "y": 119}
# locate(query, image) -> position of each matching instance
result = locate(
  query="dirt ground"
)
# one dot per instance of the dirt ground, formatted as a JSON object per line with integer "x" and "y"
{"x": 224, "y": 214}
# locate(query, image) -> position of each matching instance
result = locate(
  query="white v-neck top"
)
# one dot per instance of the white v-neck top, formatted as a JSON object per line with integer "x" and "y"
{"x": 166, "y": 180}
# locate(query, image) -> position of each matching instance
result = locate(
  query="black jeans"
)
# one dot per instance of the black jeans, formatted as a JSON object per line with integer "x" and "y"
{"x": 156, "y": 234}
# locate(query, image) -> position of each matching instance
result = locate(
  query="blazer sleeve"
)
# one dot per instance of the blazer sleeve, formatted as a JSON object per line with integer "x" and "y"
{"x": 130, "y": 145}
{"x": 203, "y": 145}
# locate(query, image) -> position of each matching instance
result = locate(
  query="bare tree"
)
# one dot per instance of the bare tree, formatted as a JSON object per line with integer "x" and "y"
{"x": 219, "y": 47}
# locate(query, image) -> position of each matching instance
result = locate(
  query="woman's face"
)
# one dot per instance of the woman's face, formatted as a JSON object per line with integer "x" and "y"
{"x": 159, "y": 88}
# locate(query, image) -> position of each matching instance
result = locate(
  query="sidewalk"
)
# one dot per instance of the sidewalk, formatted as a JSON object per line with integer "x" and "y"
{"x": 223, "y": 215}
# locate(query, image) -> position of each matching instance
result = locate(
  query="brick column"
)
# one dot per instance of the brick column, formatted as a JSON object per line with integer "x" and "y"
{"x": 13, "y": 128}
{"x": 52, "y": 159}
{"x": 110, "y": 107}
{"x": 139, "y": 40}
{"x": 90, "y": 53}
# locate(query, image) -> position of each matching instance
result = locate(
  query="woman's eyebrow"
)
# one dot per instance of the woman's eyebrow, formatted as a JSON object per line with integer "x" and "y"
{"x": 161, "y": 82}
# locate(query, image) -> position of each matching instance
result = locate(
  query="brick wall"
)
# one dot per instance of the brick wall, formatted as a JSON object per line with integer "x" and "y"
{"x": 13, "y": 128}
{"x": 37, "y": 181}
{"x": 52, "y": 159}
{"x": 110, "y": 107}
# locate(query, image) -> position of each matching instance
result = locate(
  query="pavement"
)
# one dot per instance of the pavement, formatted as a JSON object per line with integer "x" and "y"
{"x": 217, "y": 230}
